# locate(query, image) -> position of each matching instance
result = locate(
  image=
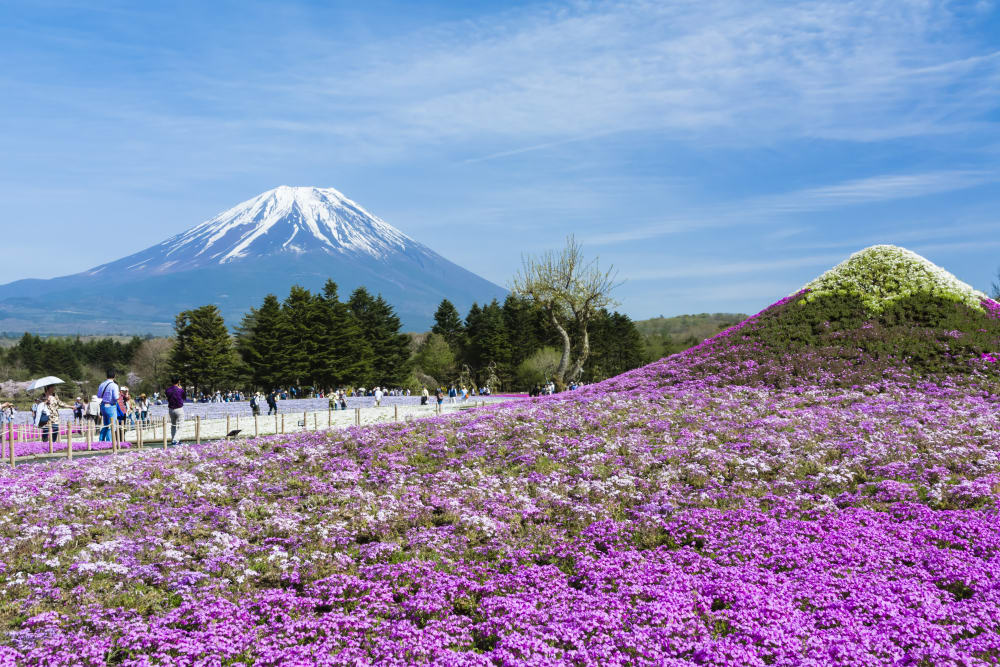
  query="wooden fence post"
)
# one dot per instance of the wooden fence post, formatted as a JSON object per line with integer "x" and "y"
{"x": 357, "y": 416}
{"x": 69, "y": 440}
{"x": 227, "y": 428}
{"x": 305, "y": 421}
{"x": 197, "y": 429}
{"x": 396, "y": 417}
{"x": 164, "y": 432}
{"x": 315, "y": 421}
{"x": 10, "y": 442}
{"x": 282, "y": 423}
{"x": 329, "y": 417}
{"x": 114, "y": 435}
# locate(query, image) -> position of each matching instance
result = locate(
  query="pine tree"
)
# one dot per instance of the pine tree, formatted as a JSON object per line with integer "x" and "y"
{"x": 380, "y": 327}
{"x": 616, "y": 346}
{"x": 344, "y": 356}
{"x": 300, "y": 347}
{"x": 486, "y": 338}
{"x": 261, "y": 343}
{"x": 203, "y": 354}
{"x": 448, "y": 323}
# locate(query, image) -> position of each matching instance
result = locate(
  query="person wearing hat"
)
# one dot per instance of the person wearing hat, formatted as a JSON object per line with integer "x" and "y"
{"x": 142, "y": 406}
{"x": 50, "y": 405}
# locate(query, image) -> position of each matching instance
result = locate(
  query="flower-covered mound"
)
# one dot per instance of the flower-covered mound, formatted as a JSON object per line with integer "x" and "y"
{"x": 882, "y": 274}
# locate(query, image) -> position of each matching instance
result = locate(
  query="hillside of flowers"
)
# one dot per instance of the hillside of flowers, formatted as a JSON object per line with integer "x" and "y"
{"x": 695, "y": 511}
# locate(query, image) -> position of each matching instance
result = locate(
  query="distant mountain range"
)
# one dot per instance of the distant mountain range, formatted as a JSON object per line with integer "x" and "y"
{"x": 282, "y": 237}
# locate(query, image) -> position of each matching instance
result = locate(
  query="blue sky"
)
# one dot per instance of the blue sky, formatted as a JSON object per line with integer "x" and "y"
{"x": 719, "y": 154}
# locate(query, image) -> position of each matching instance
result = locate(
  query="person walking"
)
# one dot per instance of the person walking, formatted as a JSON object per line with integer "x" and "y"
{"x": 378, "y": 396}
{"x": 255, "y": 404}
{"x": 108, "y": 394}
{"x": 175, "y": 405}
{"x": 424, "y": 395}
{"x": 272, "y": 402}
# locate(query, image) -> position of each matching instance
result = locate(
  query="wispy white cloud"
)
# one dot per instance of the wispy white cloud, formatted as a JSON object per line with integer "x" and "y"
{"x": 764, "y": 209}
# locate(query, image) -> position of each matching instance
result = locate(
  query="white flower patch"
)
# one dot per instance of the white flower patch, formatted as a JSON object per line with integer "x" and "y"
{"x": 882, "y": 274}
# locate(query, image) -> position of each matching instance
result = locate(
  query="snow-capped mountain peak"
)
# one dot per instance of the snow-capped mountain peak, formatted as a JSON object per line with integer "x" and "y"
{"x": 286, "y": 219}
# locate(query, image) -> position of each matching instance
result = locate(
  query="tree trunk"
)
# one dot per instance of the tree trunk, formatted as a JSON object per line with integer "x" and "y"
{"x": 584, "y": 353}
{"x": 560, "y": 373}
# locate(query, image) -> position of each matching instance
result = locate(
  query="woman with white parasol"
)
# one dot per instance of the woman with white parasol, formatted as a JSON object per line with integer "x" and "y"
{"x": 47, "y": 417}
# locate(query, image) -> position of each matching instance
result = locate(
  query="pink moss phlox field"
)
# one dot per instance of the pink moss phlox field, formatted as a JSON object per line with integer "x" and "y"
{"x": 669, "y": 516}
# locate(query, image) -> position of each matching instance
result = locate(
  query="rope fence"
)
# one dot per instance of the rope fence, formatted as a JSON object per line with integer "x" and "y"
{"x": 24, "y": 442}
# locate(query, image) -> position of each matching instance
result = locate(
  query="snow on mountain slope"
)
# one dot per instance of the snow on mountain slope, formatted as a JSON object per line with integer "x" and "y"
{"x": 291, "y": 220}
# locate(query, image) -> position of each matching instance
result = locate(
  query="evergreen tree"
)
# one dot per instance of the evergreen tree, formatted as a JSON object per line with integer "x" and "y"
{"x": 616, "y": 346}
{"x": 486, "y": 340}
{"x": 300, "y": 314}
{"x": 262, "y": 344}
{"x": 448, "y": 323}
{"x": 344, "y": 356}
{"x": 203, "y": 355}
{"x": 526, "y": 328}
{"x": 380, "y": 328}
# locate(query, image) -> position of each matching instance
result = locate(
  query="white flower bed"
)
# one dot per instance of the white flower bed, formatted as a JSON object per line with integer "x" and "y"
{"x": 882, "y": 274}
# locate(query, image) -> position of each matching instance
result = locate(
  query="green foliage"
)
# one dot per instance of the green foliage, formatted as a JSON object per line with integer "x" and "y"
{"x": 663, "y": 336}
{"x": 204, "y": 356}
{"x": 615, "y": 346}
{"x": 539, "y": 367}
{"x": 923, "y": 335}
{"x": 434, "y": 357}
{"x": 380, "y": 328}
{"x": 67, "y": 357}
{"x": 486, "y": 339}
{"x": 448, "y": 323}
{"x": 260, "y": 342}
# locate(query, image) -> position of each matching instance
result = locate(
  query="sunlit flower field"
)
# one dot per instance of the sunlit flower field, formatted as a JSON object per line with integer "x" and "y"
{"x": 690, "y": 512}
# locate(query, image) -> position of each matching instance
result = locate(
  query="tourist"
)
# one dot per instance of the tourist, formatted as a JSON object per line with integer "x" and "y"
{"x": 465, "y": 394}
{"x": 424, "y": 396}
{"x": 108, "y": 394}
{"x": 272, "y": 402}
{"x": 142, "y": 407}
{"x": 333, "y": 401}
{"x": 452, "y": 394}
{"x": 94, "y": 409}
{"x": 378, "y": 396}
{"x": 439, "y": 396}
{"x": 79, "y": 407}
{"x": 53, "y": 404}
{"x": 175, "y": 405}
{"x": 127, "y": 404}
{"x": 255, "y": 404}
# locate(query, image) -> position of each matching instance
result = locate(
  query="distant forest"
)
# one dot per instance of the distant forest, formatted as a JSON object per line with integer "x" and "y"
{"x": 507, "y": 345}
{"x": 663, "y": 336}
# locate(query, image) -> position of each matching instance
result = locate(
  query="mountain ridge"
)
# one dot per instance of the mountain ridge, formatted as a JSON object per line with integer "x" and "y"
{"x": 284, "y": 236}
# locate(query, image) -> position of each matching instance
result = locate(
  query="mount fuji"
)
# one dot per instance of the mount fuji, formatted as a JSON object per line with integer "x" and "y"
{"x": 282, "y": 237}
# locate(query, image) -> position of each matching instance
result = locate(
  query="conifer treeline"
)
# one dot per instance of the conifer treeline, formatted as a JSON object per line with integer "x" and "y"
{"x": 67, "y": 357}
{"x": 307, "y": 340}
{"x": 511, "y": 342}
{"x": 316, "y": 340}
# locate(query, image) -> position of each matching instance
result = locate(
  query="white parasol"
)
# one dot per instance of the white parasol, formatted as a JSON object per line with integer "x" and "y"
{"x": 44, "y": 382}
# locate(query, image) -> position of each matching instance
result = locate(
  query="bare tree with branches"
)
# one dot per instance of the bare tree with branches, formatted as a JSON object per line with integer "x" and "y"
{"x": 570, "y": 290}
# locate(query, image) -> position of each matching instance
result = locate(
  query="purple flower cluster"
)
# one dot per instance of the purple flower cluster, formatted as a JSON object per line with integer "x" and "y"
{"x": 670, "y": 516}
